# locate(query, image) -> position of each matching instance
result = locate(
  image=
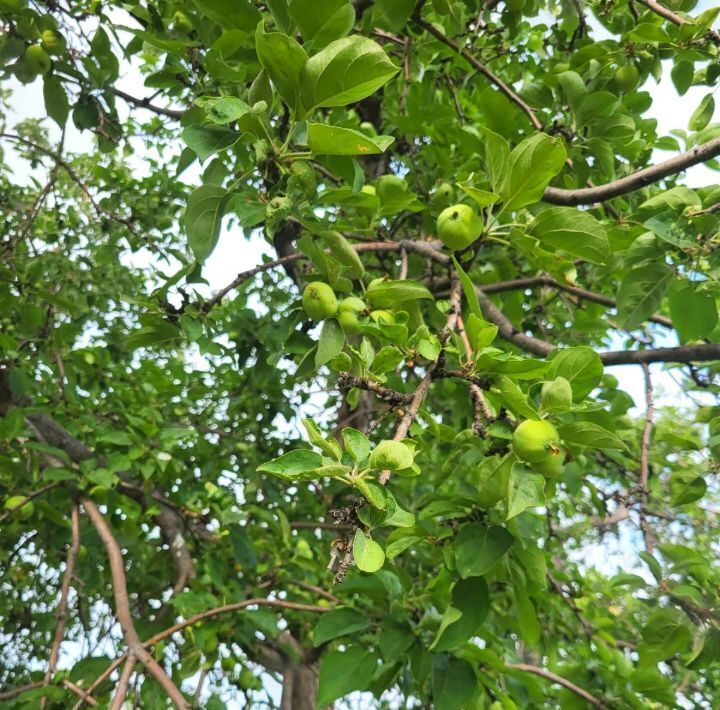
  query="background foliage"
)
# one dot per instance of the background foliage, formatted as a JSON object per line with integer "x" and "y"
{"x": 171, "y": 533}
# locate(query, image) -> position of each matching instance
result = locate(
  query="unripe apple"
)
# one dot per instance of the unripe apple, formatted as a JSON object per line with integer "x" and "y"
{"x": 442, "y": 194}
{"x": 37, "y": 59}
{"x": 458, "y": 226}
{"x": 348, "y": 312}
{"x": 393, "y": 455}
{"x": 368, "y": 189}
{"x": 553, "y": 465}
{"x": 535, "y": 440}
{"x": 381, "y": 316}
{"x": 319, "y": 301}
{"x": 23, "y": 513}
{"x": 627, "y": 78}
{"x": 182, "y": 23}
{"x": 23, "y": 73}
{"x": 368, "y": 129}
{"x": 52, "y": 42}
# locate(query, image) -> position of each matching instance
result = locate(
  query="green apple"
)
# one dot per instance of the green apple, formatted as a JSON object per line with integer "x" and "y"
{"x": 348, "y": 311}
{"x": 37, "y": 59}
{"x": 392, "y": 455}
{"x": 52, "y": 42}
{"x": 443, "y": 194}
{"x": 319, "y": 301}
{"x": 535, "y": 440}
{"x": 627, "y": 78}
{"x": 23, "y": 73}
{"x": 368, "y": 129}
{"x": 458, "y": 226}
{"x": 23, "y": 513}
{"x": 182, "y": 23}
{"x": 553, "y": 465}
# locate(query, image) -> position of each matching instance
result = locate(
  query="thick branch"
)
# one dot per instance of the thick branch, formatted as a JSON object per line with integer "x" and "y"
{"x": 122, "y": 606}
{"x": 647, "y": 176}
{"x": 555, "y": 678}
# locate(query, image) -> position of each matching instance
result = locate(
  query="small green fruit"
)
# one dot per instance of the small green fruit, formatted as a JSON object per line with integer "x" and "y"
{"x": 52, "y": 42}
{"x": 443, "y": 194}
{"x": 392, "y": 455}
{"x": 553, "y": 465}
{"x": 352, "y": 304}
{"x": 627, "y": 78}
{"x": 182, "y": 23}
{"x": 23, "y": 513}
{"x": 23, "y": 73}
{"x": 319, "y": 301}
{"x": 37, "y": 59}
{"x": 458, "y": 226}
{"x": 534, "y": 441}
{"x": 228, "y": 664}
{"x": 349, "y": 322}
{"x": 368, "y": 189}
{"x": 556, "y": 395}
{"x": 381, "y": 316}
{"x": 368, "y": 129}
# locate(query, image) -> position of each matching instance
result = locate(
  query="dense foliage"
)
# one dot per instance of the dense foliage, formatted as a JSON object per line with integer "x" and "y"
{"x": 391, "y": 457}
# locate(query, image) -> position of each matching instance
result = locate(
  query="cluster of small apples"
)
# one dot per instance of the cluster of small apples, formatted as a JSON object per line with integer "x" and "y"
{"x": 36, "y": 60}
{"x": 538, "y": 443}
{"x": 320, "y": 302}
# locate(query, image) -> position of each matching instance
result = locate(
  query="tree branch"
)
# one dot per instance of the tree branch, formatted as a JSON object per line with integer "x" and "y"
{"x": 64, "y": 592}
{"x": 645, "y": 460}
{"x": 555, "y": 678}
{"x": 145, "y": 103}
{"x": 122, "y": 606}
{"x": 670, "y": 16}
{"x": 481, "y": 69}
{"x": 624, "y": 185}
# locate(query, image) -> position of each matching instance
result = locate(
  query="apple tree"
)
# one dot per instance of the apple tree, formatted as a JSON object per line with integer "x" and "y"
{"x": 450, "y": 437}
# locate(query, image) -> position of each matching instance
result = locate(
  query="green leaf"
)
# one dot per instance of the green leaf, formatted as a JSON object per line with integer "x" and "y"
{"x": 686, "y": 487}
{"x": 591, "y": 435}
{"x": 641, "y": 293}
{"x": 341, "y": 621}
{"x": 392, "y": 14}
{"x": 530, "y": 167}
{"x": 453, "y": 683}
{"x": 665, "y": 634}
{"x": 479, "y": 547}
{"x": 322, "y": 21}
{"x": 223, "y": 110}
{"x": 528, "y": 624}
{"x": 293, "y": 465}
{"x": 341, "y": 672}
{"x": 525, "y": 490}
{"x": 480, "y": 333}
{"x": 482, "y": 197}
{"x": 356, "y": 444}
{"x": 515, "y": 400}
{"x": 343, "y": 251}
{"x": 574, "y": 231}
{"x": 702, "y": 114}
{"x": 334, "y": 140}
{"x": 56, "y": 100}
{"x": 470, "y": 604}
{"x": 580, "y": 366}
{"x": 468, "y": 288}
{"x": 346, "y": 71}
{"x": 375, "y": 493}
{"x": 283, "y": 59}
{"x": 230, "y": 14}
{"x": 208, "y": 140}
{"x": 331, "y": 342}
{"x": 329, "y": 446}
{"x": 693, "y": 312}
{"x": 682, "y": 75}
{"x": 387, "y": 294}
{"x": 368, "y": 555}
{"x": 497, "y": 152}
{"x": 203, "y": 219}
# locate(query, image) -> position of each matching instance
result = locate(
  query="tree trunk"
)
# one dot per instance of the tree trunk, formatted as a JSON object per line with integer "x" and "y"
{"x": 300, "y": 686}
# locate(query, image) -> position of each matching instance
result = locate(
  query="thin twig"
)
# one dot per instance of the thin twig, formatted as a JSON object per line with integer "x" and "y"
{"x": 645, "y": 460}
{"x": 555, "y": 678}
